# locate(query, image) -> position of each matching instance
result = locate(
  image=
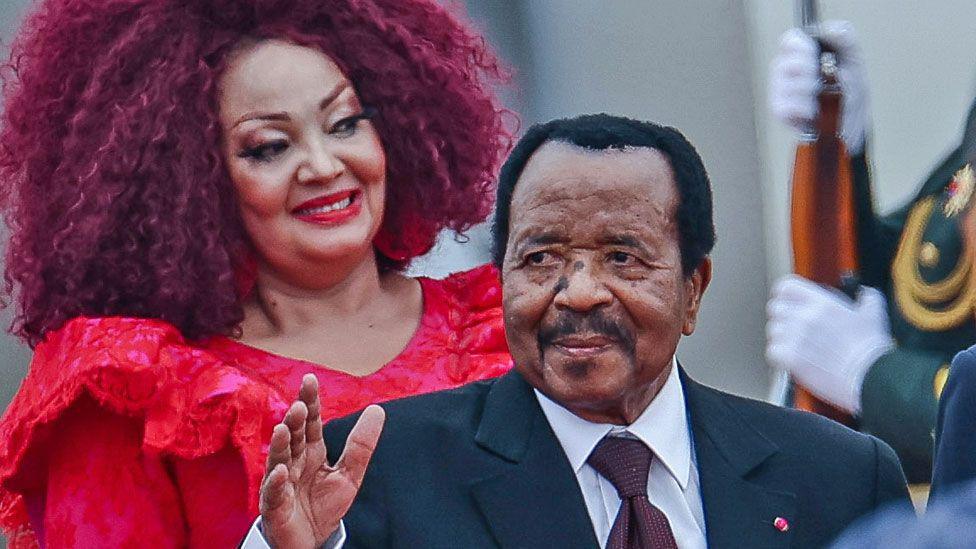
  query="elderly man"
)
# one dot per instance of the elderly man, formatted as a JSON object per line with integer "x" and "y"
{"x": 598, "y": 438}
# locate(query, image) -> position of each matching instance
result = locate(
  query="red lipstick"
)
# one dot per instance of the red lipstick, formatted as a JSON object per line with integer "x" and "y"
{"x": 330, "y": 209}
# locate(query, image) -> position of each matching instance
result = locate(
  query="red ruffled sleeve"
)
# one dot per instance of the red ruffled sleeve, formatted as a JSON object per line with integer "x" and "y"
{"x": 188, "y": 406}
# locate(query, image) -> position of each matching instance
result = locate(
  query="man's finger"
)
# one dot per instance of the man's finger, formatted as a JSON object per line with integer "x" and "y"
{"x": 295, "y": 421}
{"x": 276, "y": 492}
{"x": 279, "y": 451}
{"x": 361, "y": 444}
{"x": 309, "y": 394}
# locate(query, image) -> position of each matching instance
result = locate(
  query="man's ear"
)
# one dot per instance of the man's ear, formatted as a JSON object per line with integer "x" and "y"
{"x": 695, "y": 286}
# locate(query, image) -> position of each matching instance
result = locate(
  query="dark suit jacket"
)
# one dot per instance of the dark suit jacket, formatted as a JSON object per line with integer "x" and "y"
{"x": 479, "y": 466}
{"x": 949, "y": 522}
{"x": 955, "y": 449}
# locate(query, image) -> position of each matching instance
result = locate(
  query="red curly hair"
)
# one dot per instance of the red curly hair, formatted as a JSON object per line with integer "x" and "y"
{"x": 113, "y": 186}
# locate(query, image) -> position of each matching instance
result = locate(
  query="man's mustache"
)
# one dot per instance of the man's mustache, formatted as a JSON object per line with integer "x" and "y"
{"x": 593, "y": 323}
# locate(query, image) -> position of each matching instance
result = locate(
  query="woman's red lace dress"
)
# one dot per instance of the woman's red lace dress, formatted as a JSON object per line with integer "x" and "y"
{"x": 124, "y": 434}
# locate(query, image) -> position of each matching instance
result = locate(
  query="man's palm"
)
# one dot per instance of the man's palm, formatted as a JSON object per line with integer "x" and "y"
{"x": 303, "y": 498}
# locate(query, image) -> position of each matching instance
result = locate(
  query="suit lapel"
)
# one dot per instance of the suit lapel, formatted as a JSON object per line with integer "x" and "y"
{"x": 535, "y": 500}
{"x": 738, "y": 511}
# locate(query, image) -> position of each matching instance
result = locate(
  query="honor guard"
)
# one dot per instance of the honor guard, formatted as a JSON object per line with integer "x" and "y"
{"x": 882, "y": 357}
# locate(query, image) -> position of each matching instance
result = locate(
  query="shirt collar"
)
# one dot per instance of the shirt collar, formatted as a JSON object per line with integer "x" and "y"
{"x": 663, "y": 427}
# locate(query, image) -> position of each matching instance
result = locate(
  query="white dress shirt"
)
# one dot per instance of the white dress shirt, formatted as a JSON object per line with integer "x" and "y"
{"x": 255, "y": 538}
{"x": 672, "y": 485}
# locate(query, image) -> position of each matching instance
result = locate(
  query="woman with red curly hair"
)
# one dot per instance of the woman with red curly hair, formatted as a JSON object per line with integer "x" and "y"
{"x": 208, "y": 199}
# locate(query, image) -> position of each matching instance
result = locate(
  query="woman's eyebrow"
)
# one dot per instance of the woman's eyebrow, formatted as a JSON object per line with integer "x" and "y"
{"x": 283, "y": 116}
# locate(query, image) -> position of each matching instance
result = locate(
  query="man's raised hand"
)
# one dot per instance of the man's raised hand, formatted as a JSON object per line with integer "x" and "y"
{"x": 303, "y": 498}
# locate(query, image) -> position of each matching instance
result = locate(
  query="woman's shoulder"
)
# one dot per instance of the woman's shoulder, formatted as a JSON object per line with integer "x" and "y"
{"x": 468, "y": 302}
{"x": 190, "y": 402}
{"x": 120, "y": 343}
{"x": 478, "y": 289}
{"x": 126, "y": 363}
{"x": 466, "y": 310}
{"x": 121, "y": 361}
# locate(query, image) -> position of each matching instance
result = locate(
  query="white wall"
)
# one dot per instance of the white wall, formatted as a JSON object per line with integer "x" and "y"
{"x": 701, "y": 65}
{"x": 920, "y": 57}
{"x": 684, "y": 63}
{"x": 679, "y": 62}
{"x": 14, "y": 356}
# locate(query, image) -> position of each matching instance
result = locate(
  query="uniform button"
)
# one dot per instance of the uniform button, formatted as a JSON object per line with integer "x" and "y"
{"x": 928, "y": 256}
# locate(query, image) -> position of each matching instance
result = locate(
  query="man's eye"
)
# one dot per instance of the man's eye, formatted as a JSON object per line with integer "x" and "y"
{"x": 622, "y": 258}
{"x": 265, "y": 152}
{"x": 538, "y": 258}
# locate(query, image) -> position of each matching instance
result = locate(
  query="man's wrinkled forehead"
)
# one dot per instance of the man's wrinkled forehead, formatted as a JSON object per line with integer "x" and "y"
{"x": 561, "y": 178}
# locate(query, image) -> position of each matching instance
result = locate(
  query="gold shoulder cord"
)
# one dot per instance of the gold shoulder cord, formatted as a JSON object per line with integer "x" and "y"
{"x": 932, "y": 307}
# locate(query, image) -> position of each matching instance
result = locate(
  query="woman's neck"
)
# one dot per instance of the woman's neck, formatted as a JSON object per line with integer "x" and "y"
{"x": 288, "y": 306}
{"x": 356, "y": 325}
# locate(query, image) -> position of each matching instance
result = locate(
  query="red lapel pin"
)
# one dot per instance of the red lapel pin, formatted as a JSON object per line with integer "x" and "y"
{"x": 781, "y": 524}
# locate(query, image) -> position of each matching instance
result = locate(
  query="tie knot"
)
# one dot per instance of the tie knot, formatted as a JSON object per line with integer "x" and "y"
{"x": 625, "y": 462}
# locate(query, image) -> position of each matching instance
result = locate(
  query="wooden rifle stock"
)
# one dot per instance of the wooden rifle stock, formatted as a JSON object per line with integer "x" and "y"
{"x": 823, "y": 213}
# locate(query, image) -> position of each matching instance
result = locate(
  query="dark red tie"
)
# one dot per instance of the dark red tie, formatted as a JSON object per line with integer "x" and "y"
{"x": 626, "y": 462}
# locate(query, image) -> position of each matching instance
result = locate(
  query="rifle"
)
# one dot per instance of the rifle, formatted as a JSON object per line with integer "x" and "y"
{"x": 823, "y": 218}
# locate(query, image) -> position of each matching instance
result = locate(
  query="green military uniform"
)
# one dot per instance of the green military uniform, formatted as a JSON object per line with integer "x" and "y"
{"x": 917, "y": 257}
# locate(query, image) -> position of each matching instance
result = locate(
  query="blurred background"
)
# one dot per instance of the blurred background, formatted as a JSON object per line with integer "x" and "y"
{"x": 701, "y": 65}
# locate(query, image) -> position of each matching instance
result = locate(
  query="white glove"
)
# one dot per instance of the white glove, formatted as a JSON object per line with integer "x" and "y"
{"x": 824, "y": 340}
{"x": 794, "y": 81}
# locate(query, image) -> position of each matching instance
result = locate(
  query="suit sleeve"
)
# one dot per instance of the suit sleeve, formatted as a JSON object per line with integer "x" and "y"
{"x": 895, "y": 511}
{"x": 891, "y": 487}
{"x": 955, "y": 454}
{"x": 367, "y": 522}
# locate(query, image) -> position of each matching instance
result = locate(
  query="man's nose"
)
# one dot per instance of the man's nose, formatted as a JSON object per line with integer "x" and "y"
{"x": 320, "y": 164}
{"x": 581, "y": 289}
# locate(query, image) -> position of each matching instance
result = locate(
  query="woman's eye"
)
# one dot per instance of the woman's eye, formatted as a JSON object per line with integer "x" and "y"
{"x": 348, "y": 126}
{"x": 265, "y": 152}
